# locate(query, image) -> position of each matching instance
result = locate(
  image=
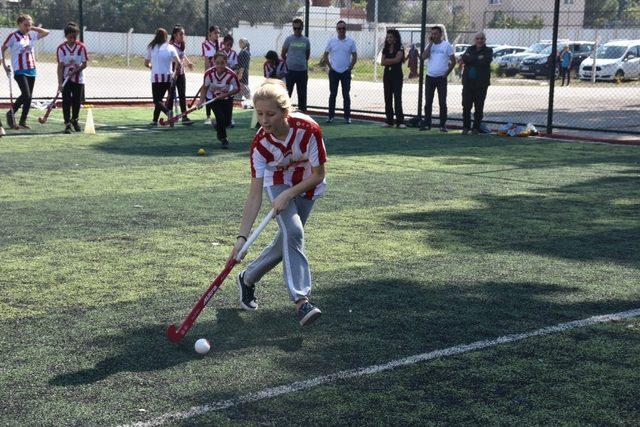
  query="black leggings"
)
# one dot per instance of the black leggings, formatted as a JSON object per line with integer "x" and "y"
{"x": 159, "y": 89}
{"x": 223, "y": 110}
{"x": 392, "y": 85}
{"x": 72, "y": 95}
{"x": 181, "y": 86}
{"x": 26, "y": 90}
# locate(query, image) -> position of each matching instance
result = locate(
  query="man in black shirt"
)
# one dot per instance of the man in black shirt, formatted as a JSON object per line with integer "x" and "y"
{"x": 476, "y": 78}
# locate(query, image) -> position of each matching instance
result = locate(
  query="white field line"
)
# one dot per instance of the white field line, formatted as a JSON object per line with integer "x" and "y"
{"x": 374, "y": 369}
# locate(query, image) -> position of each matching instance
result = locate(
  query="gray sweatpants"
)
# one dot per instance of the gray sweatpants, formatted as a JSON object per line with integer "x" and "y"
{"x": 297, "y": 275}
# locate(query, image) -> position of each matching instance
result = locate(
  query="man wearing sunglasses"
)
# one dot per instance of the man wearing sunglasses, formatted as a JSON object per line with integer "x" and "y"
{"x": 476, "y": 77}
{"x": 340, "y": 54}
{"x": 295, "y": 52}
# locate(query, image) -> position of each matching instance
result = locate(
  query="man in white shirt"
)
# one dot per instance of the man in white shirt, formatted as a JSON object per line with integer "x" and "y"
{"x": 442, "y": 60}
{"x": 340, "y": 54}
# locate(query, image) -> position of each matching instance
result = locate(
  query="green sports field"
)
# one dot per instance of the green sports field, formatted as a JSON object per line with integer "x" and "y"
{"x": 423, "y": 242}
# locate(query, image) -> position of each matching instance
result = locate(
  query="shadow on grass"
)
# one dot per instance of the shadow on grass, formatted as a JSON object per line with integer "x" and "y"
{"x": 364, "y": 322}
{"x": 593, "y": 220}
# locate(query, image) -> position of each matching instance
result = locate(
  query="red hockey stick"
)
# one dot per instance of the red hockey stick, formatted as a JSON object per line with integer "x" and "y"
{"x": 13, "y": 114}
{"x": 177, "y": 117}
{"x": 176, "y": 334}
{"x": 44, "y": 118}
{"x": 195, "y": 98}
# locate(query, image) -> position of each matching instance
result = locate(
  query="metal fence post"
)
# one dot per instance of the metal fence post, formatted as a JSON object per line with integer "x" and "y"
{"x": 554, "y": 63}
{"x": 423, "y": 31}
{"x": 81, "y": 20}
{"x": 206, "y": 17}
{"x": 307, "y": 6}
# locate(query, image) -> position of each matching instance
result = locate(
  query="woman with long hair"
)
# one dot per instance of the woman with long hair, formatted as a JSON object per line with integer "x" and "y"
{"x": 20, "y": 44}
{"x": 178, "y": 42}
{"x": 159, "y": 58}
{"x": 392, "y": 59}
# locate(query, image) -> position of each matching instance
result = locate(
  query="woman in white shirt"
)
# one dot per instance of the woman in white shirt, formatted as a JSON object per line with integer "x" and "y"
{"x": 159, "y": 58}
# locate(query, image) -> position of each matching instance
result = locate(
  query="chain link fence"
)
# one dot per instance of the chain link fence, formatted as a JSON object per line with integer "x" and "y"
{"x": 117, "y": 32}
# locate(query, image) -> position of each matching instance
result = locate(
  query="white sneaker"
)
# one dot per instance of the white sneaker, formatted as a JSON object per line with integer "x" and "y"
{"x": 207, "y": 121}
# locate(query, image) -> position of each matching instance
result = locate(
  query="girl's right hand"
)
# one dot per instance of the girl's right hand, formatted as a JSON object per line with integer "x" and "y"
{"x": 7, "y": 69}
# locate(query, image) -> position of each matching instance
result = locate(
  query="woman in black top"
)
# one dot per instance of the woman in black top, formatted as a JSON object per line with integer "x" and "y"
{"x": 392, "y": 59}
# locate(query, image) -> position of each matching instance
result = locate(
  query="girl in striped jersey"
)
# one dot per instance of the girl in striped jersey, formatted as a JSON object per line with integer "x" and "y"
{"x": 232, "y": 60}
{"x": 72, "y": 60}
{"x": 287, "y": 160}
{"x": 274, "y": 67}
{"x": 159, "y": 58}
{"x": 220, "y": 83}
{"x": 177, "y": 40}
{"x": 210, "y": 46}
{"x": 232, "y": 55}
{"x": 20, "y": 43}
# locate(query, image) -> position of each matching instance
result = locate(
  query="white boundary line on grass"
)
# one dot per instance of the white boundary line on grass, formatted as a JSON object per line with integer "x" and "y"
{"x": 374, "y": 369}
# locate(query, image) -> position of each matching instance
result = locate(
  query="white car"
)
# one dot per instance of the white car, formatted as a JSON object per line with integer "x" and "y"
{"x": 459, "y": 50}
{"x": 615, "y": 60}
{"x": 500, "y": 51}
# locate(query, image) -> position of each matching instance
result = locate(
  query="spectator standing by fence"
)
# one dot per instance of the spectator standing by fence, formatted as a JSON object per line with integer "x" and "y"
{"x": 392, "y": 59}
{"x": 442, "y": 60}
{"x": 476, "y": 78}
{"x": 244, "y": 60}
{"x": 412, "y": 63}
{"x": 341, "y": 56}
{"x": 565, "y": 64}
{"x": 295, "y": 52}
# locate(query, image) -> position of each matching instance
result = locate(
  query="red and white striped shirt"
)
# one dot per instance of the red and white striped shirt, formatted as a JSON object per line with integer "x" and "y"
{"x": 180, "y": 47}
{"x": 277, "y": 71}
{"x": 220, "y": 83}
{"x": 161, "y": 58}
{"x": 290, "y": 161}
{"x": 209, "y": 49}
{"x": 72, "y": 57}
{"x": 21, "y": 48}
{"x": 232, "y": 58}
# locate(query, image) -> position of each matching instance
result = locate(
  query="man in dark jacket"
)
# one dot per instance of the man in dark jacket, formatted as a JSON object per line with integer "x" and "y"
{"x": 476, "y": 78}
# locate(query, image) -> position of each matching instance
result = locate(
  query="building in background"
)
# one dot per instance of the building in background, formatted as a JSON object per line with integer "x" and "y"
{"x": 486, "y": 13}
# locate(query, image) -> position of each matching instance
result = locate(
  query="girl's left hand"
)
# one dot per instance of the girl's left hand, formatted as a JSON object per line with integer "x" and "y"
{"x": 280, "y": 203}
{"x": 190, "y": 66}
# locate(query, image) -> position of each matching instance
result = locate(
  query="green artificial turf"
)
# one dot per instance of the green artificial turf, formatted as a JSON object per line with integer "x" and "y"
{"x": 423, "y": 241}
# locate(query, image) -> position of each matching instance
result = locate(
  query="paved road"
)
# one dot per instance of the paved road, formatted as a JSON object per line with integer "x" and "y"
{"x": 607, "y": 106}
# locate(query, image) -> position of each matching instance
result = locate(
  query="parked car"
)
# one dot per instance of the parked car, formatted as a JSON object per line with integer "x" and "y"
{"x": 509, "y": 64}
{"x": 615, "y": 60}
{"x": 539, "y": 65}
{"x": 501, "y": 51}
{"x": 459, "y": 50}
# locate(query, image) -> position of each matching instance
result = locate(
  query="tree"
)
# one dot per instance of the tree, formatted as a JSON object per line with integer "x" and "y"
{"x": 503, "y": 20}
{"x": 630, "y": 12}
{"x": 597, "y": 13}
{"x": 388, "y": 10}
